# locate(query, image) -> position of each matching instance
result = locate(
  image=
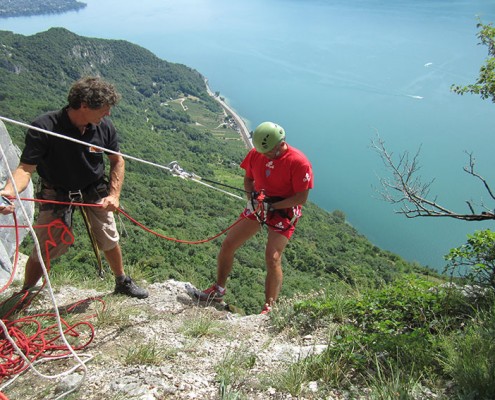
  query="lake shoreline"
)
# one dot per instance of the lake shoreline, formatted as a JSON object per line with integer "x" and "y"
{"x": 241, "y": 125}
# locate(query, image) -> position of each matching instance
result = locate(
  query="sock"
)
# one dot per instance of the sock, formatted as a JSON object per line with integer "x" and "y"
{"x": 220, "y": 289}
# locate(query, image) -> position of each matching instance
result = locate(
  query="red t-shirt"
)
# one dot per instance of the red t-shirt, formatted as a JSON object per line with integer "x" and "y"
{"x": 282, "y": 177}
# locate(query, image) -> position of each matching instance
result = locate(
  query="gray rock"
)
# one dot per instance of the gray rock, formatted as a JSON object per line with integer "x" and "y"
{"x": 9, "y": 159}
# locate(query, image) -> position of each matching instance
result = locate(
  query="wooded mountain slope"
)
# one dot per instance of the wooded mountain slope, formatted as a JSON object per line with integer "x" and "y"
{"x": 166, "y": 114}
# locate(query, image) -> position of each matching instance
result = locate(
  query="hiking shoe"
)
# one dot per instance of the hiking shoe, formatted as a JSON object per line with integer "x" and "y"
{"x": 129, "y": 288}
{"x": 212, "y": 293}
{"x": 266, "y": 309}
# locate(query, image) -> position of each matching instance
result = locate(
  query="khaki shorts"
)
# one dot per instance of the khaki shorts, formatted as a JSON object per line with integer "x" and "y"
{"x": 55, "y": 236}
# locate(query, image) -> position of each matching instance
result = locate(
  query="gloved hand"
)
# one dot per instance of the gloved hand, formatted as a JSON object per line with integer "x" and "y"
{"x": 252, "y": 203}
{"x": 267, "y": 207}
{"x": 263, "y": 211}
{"x": 6, "y": 206}
{"x": 257, "y": 206}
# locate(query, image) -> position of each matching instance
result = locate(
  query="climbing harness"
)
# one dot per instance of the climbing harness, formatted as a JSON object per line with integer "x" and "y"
{"x": 68, "y": 201}
{"x": 261, "y": 207}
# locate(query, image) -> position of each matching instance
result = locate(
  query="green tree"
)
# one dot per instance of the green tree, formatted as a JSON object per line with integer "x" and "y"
{"x": 475, "y": 259}
{"x": 485, "y": 85}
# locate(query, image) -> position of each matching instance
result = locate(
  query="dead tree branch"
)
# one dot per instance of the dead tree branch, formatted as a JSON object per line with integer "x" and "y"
{"x": 407, "y": 189}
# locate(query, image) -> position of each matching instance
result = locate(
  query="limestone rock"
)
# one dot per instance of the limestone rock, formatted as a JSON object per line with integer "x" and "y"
{"x": 9, "y": 159}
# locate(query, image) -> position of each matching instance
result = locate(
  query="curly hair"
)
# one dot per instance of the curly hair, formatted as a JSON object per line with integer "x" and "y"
{"x": 93, "y": 91}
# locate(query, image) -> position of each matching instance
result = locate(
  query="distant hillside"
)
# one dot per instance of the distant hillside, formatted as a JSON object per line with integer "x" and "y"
{"x": 166, "y": 114}
{"x": 20, "y": 8}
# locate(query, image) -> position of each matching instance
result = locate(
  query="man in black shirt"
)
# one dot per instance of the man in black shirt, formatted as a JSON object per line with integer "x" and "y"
{"x": 71, "y": 171}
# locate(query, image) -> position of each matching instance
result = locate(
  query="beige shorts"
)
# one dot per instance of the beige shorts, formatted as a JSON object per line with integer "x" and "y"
{"x": 56, "y": 237}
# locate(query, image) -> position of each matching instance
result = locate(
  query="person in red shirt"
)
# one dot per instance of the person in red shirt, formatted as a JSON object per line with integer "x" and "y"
{"x": 277, "y": 181}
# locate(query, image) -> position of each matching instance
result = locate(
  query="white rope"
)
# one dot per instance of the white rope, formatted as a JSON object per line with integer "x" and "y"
{"x": 50, "y": 291}
{"x": 176, "y": 170}
{"x": 220, "y": 190}
{"x": 173, "y": 167}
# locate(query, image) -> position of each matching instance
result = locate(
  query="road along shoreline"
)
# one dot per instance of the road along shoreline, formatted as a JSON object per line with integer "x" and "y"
{"x": 241, "y": 125}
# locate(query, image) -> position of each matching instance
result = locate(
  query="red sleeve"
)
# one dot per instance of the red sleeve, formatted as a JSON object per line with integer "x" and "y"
{"x": 303, "y": 177}
{"x": 246, "y": 164}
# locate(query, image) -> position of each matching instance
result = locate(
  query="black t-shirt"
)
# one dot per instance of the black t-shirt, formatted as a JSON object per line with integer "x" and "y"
{"x": 65, "y": 164}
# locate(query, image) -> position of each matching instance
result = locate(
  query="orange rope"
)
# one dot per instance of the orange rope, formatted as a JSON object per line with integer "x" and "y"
{"x": 43, "y": 343}
{"x": 178, "y": 240}
{"x": 130, "y": 219}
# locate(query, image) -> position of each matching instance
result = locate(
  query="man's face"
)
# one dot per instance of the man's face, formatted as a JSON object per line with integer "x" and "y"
{"x": 275, "y": 152}
{"x": 95, "y": 115}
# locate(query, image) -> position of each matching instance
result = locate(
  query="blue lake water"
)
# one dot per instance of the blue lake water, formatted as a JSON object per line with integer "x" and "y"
{"x": 335, "y": 74}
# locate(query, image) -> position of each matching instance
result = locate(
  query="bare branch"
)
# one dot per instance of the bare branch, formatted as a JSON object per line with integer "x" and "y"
{"x": 406, "y": 189}
{"x": 470, "y": 207}
{"x": 470, "y": 171}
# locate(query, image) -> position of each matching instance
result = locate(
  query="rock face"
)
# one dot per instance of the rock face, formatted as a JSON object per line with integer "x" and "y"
{"x": 9, "y": 159}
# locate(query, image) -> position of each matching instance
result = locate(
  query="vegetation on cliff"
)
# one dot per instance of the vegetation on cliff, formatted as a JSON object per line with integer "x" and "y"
{"x": 20, "y": 8}
{"x": 391, "y": 327}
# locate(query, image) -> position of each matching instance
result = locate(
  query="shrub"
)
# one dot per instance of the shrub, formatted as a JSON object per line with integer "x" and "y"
{"x": 474, "y": 260}
{"x": 469, "y": 357}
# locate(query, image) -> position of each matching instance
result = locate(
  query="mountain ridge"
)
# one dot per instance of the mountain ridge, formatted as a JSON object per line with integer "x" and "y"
{"x": 20, "y": 8}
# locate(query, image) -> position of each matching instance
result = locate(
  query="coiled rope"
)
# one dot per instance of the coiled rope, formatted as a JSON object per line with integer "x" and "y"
{"x": 12, "y": 337}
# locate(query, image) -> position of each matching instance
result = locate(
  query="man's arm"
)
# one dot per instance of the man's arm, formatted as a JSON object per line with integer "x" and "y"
{"x": 117, "y": 172}
{"x": 248, "y": 186}
{"x": 22, "y": 176}
{"x": 298, "y": 199}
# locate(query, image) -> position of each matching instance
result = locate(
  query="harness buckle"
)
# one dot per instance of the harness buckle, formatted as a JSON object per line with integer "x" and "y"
{"x": 75, "y": 196}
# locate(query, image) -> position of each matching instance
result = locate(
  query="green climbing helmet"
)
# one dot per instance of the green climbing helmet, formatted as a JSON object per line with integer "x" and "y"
{"x": 266, "y": 136}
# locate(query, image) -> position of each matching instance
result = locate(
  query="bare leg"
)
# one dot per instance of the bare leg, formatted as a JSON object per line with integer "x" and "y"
{"x": 114, "y": 259}
{"x": 275, "y": 247}
{"x": 32, "y": 273}
{"x": 236, "y": 237}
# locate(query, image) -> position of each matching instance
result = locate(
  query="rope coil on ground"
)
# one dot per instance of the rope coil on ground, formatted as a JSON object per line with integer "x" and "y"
{"x": 11, "y": 337}
{"x": 18, "y": 351}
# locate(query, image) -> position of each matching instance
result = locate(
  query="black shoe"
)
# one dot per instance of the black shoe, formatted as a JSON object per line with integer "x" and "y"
{"x": 129, "y": 288}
